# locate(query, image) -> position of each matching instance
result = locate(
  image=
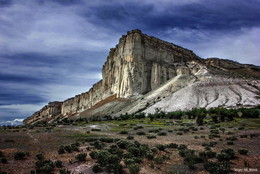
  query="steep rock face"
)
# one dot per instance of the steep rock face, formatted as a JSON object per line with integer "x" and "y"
{"x": 137, "y": 66}
{"x": 52, "y": 109}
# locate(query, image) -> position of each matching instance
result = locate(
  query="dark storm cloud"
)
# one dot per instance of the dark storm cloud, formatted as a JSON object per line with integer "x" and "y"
{"x": 5, "y": 3}
{"x": 209, "y": 15}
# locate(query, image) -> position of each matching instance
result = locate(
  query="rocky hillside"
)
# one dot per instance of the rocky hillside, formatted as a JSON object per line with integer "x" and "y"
{"x": 143, "y": 73}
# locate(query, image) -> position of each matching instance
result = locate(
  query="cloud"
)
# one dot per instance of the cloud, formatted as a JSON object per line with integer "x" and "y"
{"x": 15, "y": 122}
{"x": 18, "y": 111}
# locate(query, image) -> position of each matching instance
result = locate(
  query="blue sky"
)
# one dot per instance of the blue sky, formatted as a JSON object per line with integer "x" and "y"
{"x": 54, "y": 49}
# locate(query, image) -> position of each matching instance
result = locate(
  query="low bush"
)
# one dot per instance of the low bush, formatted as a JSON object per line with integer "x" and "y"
{"x": 159, "y": 159}
{"x": 217, "y": 167}
{"x": 122, "y": 144}
{"x": 123, "y": 132}
{"x": 97, "y": 168}
{"x": 186, "y": 152}
{"x": 149, "y": 155}
{"x": 64, "y": 171}
{"x": 40, "y": 157}
{"x": 134, "y": 168}
{"x": 182, "y": 147}
{"x": 61, "y": 150}
{"x": 242, "y": 151}
{"x": 140, "y": 133}
{"x": 93, "y": 154}
{"x": 193, "y": 159}
{"x": 19, "y": 155}
{"x": 230, "y": 143}
{"x": 98, "y": 144}
{"x": 81, "y": 157}
{"x": 58, "y": 164}
{"x": 130, "y": 137}
{"x": 44, "y": 167}
{"x": 162, "y": 134}
{"x": 172, "y": 145}
{"x": 68, "y": 149}
{"x": 151, "y": 136}
{"x": 233, "y": 138}
{"x": 106, "y": 140}
{"x": 223, "y": 157}
{"x": 160, "y": 147}
{"x": 207, "y": 154}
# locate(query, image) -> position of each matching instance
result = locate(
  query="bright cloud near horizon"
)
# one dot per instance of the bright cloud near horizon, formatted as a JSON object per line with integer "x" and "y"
{"x": 51, "y": 50}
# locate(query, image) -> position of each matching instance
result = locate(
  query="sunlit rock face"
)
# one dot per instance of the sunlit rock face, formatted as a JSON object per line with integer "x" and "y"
{"x": 139, "y": 65}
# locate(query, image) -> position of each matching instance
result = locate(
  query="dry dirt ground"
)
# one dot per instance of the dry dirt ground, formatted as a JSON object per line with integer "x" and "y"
{"x": 46, "y": 140}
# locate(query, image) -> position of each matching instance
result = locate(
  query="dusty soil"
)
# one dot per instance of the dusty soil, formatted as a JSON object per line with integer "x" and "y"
{"x": 47, "y": 141}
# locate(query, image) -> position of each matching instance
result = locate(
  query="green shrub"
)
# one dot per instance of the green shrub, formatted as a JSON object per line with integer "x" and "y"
{"x": 138, "y": 127}
{"x": 91, "y": 139}
{"x": 134, "y": 150}
{"x": 64, "y": 171}
{"x": 102, "y": 157}
{"x": 154, "y": 149}
{"x": 45, "y": 166}
{"x": 149, "y": 155}
{"x": 75, "y": 147}
{"x": 93, "y": 154}
{"x": 186, "y": 152}
{"x": 140, "y": 133}
{"x": 68, "y": 148}
{"x": 159, "y": 159}
{"x": 179, "y": 133}
{"x": 193, "y": 159}
{"x": 81, "y": 157}
{"x": 161, "y": 147}
{"x": 61, "y": 150}
{"x": 182, "y": 147}
{"x": 233, "y": 138}
{"x": 40, "y": 157}
{"x": 223, "y": 156}
{"x": 130, "y": 137}
{"x": 162, "y": 134}
{"x": 151, "y": 136}
{"x": 122, "y": 144}
{"x": 207, "y": 154}
{"x": 242, "y": 151}
{"x": 97, "y": 168}
{"x": 217, "y": 167}
{"x": 230, "y": 143}
{"x": 98, "y": 144}
{"x": 123, "y": 132}
{"x": 58, "y": 164}
{"x": 19, "y": 155}
{"x": 106, "y": 140}
{"x": 172, "y": 145}
{"x": 134, "y": 168}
